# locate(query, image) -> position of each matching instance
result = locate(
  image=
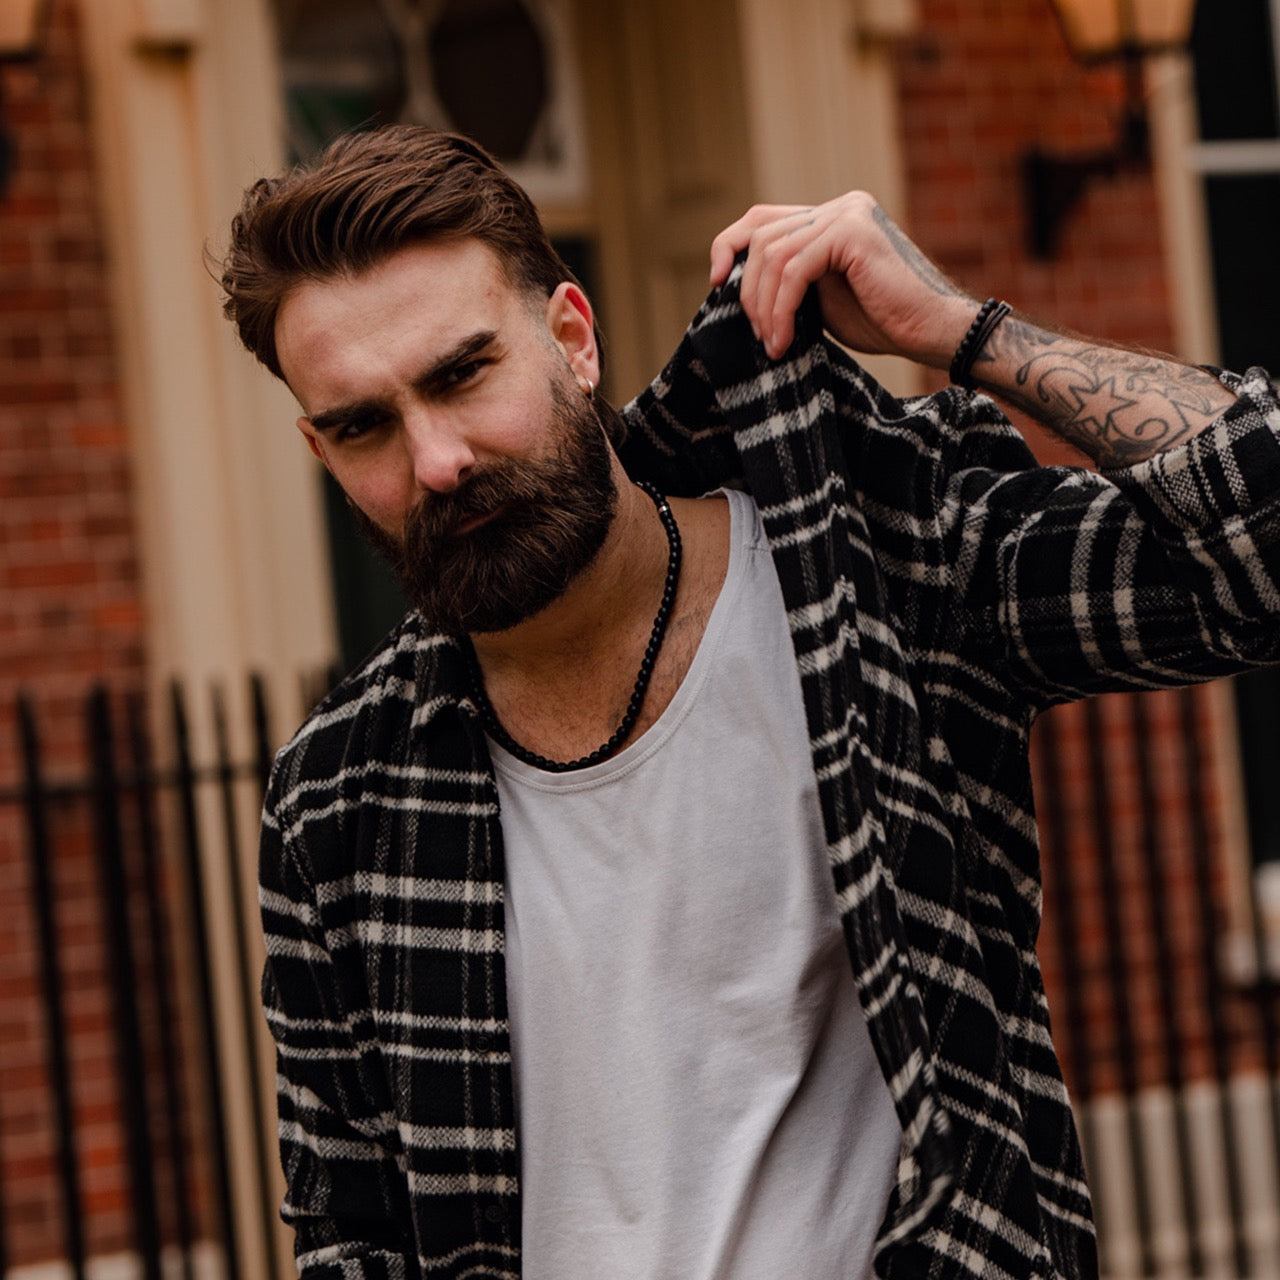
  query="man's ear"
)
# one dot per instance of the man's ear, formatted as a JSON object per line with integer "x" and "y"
{"x": 312, "y": 439}
{"x": 572, "y": 325}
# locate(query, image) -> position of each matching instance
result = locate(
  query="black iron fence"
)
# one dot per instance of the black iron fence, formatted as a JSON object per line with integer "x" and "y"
{"x": 1184, "y": 1154}
{"x": 164, "y": 827}
{"x": 1175, "y": 1073}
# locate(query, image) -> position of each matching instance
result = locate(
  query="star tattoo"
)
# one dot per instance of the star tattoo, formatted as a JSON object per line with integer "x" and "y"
{"x": 1097, "y": 402}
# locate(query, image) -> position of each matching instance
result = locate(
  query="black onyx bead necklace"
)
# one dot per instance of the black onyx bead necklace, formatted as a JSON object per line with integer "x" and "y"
{"x": 489, "y": 717}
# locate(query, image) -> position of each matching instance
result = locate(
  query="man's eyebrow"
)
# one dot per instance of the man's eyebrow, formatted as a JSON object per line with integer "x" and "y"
{"x": 459, "y": 353}
{"x": 344, "y": 414}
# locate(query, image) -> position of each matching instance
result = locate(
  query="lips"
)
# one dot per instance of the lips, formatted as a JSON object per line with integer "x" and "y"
{"x": 471, "y": 523}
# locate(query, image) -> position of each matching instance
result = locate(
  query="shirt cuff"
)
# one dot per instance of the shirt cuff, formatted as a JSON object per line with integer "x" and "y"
{"x": 1231, "y": 469}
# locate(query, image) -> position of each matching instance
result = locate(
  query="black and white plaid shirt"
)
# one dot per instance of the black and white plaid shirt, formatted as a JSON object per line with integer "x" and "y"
{"x": 941, "y": 590}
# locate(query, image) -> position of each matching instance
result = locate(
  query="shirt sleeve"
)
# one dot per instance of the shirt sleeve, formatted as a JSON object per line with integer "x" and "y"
{"x": 345, "y": 1195}
{"x": 1156, "y": 574}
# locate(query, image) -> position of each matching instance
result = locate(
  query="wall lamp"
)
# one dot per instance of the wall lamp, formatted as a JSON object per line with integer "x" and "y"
{"x": 1100, "y": 31}
{"x": 21, "y": 26}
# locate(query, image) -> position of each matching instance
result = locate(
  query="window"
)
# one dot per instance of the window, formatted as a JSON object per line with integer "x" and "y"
{"x": 1236, "y": 52}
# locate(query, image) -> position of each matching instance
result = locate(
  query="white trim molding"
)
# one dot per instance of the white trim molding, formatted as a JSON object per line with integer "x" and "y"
{"x": 235, "y": 565}
{"x": 822, "y": 103}
{"x": 235, "y": 560}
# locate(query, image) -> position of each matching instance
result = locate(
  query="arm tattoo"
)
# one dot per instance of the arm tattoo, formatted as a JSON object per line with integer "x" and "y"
{"x": 1118, "y": 406}
{"x": 920, "y": 266}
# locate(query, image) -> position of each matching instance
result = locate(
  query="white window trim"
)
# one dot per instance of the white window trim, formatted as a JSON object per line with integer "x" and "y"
{"x": 235, "y": 561}
{"x": 187, "y": 113}
{"x": 1182, "y": 161}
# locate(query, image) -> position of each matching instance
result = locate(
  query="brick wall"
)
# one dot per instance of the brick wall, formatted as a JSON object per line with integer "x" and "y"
{"x": 984, "y": 81}
{"x": 70, "y": 613}
{"x": 71, "y": 605}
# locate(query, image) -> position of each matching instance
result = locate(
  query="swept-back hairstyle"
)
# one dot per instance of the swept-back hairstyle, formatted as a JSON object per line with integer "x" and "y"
{"x": 365, "y": 197}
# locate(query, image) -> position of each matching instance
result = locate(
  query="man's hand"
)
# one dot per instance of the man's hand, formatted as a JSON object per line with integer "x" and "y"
{"x": 878, "y": 292}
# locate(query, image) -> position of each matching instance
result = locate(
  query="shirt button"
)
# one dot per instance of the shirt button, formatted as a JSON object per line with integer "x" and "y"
{"x": 495, "y": 1213}
{"x": 484, "y": 1042}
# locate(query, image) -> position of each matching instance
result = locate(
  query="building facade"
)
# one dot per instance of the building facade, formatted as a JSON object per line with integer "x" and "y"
{"x": 161, "y": 519}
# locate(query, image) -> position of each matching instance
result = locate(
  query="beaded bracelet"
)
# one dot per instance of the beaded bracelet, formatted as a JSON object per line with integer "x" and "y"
{"x": 984, "y": 325}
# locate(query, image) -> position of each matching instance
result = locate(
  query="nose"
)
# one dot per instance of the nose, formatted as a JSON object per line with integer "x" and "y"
{"x": 441, "y": 457}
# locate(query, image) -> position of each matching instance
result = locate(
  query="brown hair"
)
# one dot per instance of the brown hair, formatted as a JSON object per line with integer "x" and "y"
{"x": 365, "y": 197}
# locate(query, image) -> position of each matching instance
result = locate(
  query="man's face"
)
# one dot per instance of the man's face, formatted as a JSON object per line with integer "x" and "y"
{"x": 447, "y": 405}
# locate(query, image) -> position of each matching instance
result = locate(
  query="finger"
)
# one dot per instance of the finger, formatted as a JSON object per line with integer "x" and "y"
{"x": 770, "y": 246}
{"x": 811, "y": 262}
{"x": 737, "y": 236}
{"x": 785, "y": 259}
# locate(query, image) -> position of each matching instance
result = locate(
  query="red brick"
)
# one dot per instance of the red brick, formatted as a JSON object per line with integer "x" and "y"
{"x": 65, "y": 525}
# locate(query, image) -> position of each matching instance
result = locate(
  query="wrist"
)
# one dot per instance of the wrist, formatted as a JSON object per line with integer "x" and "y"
{"x": 948, "y": 321}
{"x": 969, "y": 350}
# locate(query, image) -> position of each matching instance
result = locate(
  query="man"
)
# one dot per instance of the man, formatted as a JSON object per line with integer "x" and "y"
{"x": 659, "y": 900}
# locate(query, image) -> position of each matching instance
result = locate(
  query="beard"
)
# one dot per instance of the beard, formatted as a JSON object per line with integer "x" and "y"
{"x": 545, "y": 521}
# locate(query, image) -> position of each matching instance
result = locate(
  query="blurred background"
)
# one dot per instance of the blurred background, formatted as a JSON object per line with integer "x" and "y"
{"x": 177, "y": 580}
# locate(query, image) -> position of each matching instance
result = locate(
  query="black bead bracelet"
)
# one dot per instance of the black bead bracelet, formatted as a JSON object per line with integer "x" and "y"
{"x": 984, "y": 325}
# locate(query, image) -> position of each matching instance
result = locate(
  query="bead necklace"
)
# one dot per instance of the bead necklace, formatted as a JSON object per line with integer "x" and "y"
{"x": 489, "y": 717}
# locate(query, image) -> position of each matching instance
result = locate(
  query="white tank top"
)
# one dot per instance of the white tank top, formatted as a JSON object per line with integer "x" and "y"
{"x": 697, "y": 1096}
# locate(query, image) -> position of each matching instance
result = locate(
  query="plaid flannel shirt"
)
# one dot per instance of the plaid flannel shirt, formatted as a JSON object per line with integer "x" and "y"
{"x": 941, "y": 590}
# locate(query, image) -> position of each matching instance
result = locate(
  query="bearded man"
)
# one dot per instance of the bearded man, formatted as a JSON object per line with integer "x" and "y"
{"x": 659, "y": 900}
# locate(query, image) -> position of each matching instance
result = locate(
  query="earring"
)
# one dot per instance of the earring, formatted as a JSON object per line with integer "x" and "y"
{"x": 588, "y": 387}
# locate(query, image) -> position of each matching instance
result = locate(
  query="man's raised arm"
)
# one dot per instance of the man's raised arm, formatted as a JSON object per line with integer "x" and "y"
{"x": 880, "y": 294}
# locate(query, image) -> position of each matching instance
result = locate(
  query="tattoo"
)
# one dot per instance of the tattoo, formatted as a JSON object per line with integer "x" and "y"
{"x": 1118, "y": 406}
{"x": 920, "y": 266}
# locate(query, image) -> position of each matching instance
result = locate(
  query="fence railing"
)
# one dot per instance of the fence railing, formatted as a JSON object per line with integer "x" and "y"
{"x": 162, "y": 835}
{"x": 1175, "y": 1071}
{"x": 132, "y": 853}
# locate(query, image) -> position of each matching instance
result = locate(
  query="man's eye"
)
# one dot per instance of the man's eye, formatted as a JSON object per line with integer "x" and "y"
{"x": 356, "y": 429}
{"x": 463, "y": 373}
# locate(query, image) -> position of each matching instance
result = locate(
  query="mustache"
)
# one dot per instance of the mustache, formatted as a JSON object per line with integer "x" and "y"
{"x": 437, "y": 517}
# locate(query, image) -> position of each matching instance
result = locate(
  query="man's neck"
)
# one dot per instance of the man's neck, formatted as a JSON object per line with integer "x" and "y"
{"x": 560, "y": 681}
